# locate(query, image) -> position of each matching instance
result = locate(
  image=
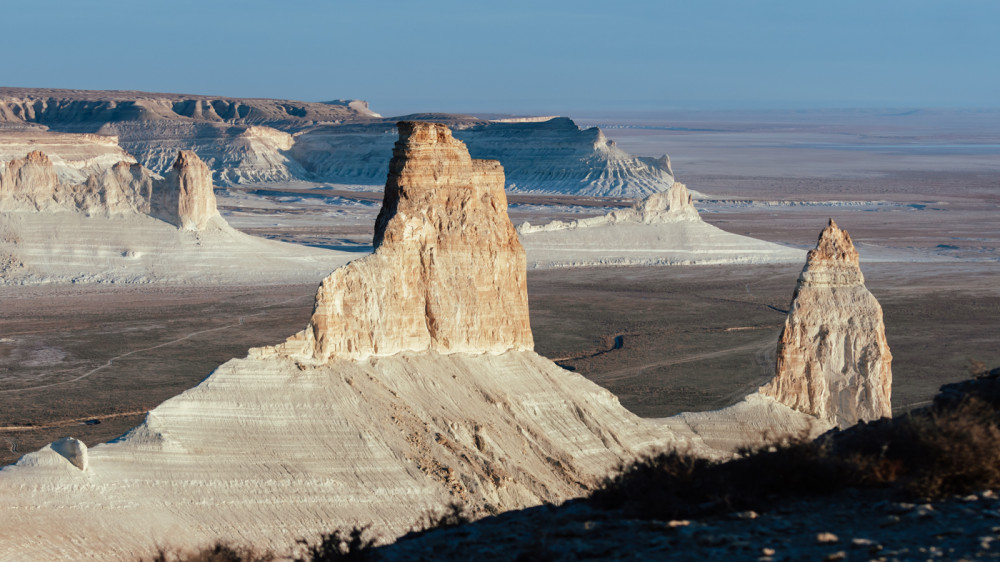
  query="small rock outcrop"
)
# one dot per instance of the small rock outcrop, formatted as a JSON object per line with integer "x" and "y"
{"x": 186, "y": 197}
{"x": 674, "y": 204}
{"x": 833, "y": 359}
{"x": 30, "y": 181}
{"x": 73, "y": 450}
{"x": 448, "y": 271}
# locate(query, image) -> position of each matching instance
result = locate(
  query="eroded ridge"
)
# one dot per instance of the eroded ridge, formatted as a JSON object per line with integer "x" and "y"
{"x": 448, "y": 271}
{"x": 833, "y": 358}
{"x": 185, "y": 197}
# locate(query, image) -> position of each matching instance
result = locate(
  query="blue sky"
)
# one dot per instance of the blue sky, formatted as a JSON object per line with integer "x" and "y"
{"x": 520, "y": 56}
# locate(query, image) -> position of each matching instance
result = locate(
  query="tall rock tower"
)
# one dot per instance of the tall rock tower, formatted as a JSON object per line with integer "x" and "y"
{"x": 186, "y": 197}
{"x": 833, "y": 359}
{"x": 448, "y": 272}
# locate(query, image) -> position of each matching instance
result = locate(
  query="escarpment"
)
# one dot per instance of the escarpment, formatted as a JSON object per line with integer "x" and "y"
{"x": 833, "y": 359}
{"x": 448, "y": 271}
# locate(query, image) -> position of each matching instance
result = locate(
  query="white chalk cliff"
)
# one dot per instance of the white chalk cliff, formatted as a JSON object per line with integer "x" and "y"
{"x": 122, "y": 223}
{"x": 343, "y": 141}
{"x": 833, "y": 358}
{"x": 414, "y": 385}
{"x": 661, "y": 229}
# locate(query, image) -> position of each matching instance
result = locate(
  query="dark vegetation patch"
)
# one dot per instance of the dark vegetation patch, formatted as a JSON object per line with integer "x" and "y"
{"x": 948, "y": 448}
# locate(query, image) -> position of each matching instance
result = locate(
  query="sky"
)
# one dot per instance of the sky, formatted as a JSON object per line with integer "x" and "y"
{"x": 513, "y": 56}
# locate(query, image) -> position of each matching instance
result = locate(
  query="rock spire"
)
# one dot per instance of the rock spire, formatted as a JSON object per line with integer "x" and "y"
{"x": 186, "y": 198}
{"x": 448, "y": 271}
{"x": 833, "y": 359}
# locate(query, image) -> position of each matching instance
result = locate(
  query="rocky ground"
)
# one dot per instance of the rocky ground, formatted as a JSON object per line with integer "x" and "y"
{"x": 850, "y": 526}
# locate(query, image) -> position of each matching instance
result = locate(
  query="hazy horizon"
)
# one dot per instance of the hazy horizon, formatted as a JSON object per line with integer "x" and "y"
{"x": 519, "y": 57}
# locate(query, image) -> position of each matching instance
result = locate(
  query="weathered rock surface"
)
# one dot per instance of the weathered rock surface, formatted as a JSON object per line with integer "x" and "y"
{"x": 102, "y": 230}
{"x": 833, "y": 359}
{"x": 414, "y": 386}
{"x": 30, "y": 182}
{"x": 186, "y": 197}
{"x": 75, "y": 157}
{"x": 661, "y": 229}
{"x": 247, "y": 140}
{"x": 73, "y": 450}
{"x": 552, "y": 156}
{"x": 448, "y": 272}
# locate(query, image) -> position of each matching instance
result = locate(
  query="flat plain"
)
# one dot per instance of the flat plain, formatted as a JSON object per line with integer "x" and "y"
{"x": 919, "y": 195}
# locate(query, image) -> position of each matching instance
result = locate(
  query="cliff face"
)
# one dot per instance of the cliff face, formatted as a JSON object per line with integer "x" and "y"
{"x": 833, "y": 359}
{"x": 448, "y": 271}
{"x": 552, "y": 156}
{"x": 184, "y": 198}
{"x": 30, "y": 181}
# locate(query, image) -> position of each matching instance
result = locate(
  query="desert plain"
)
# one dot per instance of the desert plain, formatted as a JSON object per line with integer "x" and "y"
{"x": 918, "y": 192}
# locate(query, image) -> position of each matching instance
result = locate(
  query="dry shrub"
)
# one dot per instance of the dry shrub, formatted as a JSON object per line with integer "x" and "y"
{"x": 951, "y": 448}
{"x": 340, "y": 546}
{"x": 219, "y": 552}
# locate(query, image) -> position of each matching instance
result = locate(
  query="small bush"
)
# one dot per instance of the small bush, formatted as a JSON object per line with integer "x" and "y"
{"x": 219, "y": 552}
{"x": 454, "y": 515}
{"x": 339, "y": 546}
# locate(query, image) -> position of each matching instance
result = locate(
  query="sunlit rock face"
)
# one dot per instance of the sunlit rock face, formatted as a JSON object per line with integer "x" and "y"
{"x": 448, "y": 272}
{"x": 833, "y": 359}
{"x": 29, "y": 182}
{"x": 186, "y": 197}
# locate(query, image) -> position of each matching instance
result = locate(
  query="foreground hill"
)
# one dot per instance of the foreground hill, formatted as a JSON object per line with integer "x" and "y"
{"x": 265, "y": 140}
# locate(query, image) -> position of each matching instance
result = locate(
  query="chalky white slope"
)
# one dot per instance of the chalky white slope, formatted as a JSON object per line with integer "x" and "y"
{"x": 89, "y": 213}
{"x": 662, "y": 229}
{"x": 414, "y": 385}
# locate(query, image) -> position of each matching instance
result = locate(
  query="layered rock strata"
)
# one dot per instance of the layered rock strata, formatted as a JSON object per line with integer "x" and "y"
{"x": 185, "y": 198}
{"x": 414, "y": 386}
{"x": 448, "y": 271}
{"x": 550, "y": 156}
{"x": 674, "y": 204}
{"x": 661, "y": 229}
{"x": 833, "y": 358}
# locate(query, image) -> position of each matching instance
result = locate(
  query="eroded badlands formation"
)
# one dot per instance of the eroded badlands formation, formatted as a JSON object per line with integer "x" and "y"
{"x": 122, "y": 223}
{"x": 263, "y": 140}
{"x": 413, "y": 386}
{"x": 833, "y": 359}
{"x": 662, "y": 229}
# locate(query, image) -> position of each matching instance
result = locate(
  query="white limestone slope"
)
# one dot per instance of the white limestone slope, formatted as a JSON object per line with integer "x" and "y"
{"x": 62, "y": 247}
{"x": 662, "y": 229}
{"x": 399, "y": 397}
{"x": 265, "y": 452}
